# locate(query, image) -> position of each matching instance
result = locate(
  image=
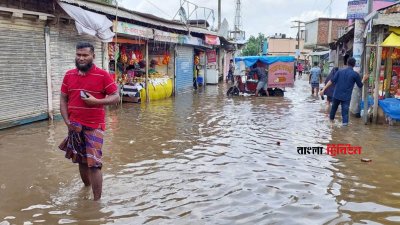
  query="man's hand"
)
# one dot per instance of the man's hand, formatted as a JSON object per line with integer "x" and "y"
{"x": 321, "y": 92}
{"x": 69, "y": 125}
{"x": 365, "y": 78}
{"x": 91, "y": 100}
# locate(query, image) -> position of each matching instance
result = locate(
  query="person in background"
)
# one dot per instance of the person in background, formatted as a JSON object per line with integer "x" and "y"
{"x": 300, "y": 69}
{"x": 315, "y": 78}
{"x": 262, "y": 79}
{"x": 84, "y": 92}
{"x": 329, "y": 91}
{"x": 152, "y": 67}
{"x": 344, "y": 81}
{"x": 230, "y": 71}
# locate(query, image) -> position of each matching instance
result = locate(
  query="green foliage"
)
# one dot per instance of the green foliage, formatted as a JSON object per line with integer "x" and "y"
{"x": 253, "y": 46}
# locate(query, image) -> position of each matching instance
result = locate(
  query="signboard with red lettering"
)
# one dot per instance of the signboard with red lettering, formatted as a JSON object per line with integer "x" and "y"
{"x": 211, "y": 56}
{"x": 280, "y": 74}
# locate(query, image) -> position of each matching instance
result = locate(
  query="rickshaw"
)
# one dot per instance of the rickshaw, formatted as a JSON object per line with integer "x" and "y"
{"x": 280, "y": 71}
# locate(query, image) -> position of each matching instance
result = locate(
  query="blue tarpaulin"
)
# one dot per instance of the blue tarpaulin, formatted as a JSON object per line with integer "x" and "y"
{"x": 268, "y": 60}
{"x": 391, "y": 107}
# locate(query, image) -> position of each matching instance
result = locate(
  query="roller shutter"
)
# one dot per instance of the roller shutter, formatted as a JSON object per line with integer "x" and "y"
{"x": 23, "y": 84}
{"x": 184, "y": 69}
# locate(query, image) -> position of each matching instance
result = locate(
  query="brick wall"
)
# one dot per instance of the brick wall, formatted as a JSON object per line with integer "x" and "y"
{"x": 323, "y": 30}
{"x": 44, "y": 6}
{"x": 336, "y": 25}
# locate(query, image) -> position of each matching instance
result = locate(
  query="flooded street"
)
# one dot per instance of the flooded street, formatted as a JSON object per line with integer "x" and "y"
{"x": 207, "y": 159}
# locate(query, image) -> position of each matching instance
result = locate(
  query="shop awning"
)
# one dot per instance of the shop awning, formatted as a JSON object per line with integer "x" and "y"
{"x": 392, "y": 41}
{"x": 90, "y": 23}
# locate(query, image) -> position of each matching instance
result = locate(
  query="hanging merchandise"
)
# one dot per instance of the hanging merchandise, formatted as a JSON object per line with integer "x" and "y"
{"x": 371, "y": 62}
{"x": 124, "y": 56}
{"x": 396, "y": 54}
{"x": 166, "y": 58}
{"x": 196, "y": 60}
{"x": 111, "y": 51}
{"x": 384, "y": 53}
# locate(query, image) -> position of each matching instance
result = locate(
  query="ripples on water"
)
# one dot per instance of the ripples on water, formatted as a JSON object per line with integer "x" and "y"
{"x": 207, "y": 159}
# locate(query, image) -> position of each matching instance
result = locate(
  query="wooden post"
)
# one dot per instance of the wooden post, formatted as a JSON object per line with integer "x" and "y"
{"x": 377, "y": 74}
{"x": 337, "y": 56}
{"x": 366, "y": 57}
{"x": 147, "y": 71}
{"x": 48, "y": 74}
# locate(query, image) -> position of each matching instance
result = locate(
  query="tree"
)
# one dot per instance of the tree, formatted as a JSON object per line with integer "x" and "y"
{"x": 253, "y": 46}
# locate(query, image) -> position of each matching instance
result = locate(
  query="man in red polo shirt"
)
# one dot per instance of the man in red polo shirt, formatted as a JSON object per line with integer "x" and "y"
{"x": 84, "y": 92}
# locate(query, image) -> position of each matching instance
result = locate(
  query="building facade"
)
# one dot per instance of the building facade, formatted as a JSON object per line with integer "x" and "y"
{"x": 322, "y": 31}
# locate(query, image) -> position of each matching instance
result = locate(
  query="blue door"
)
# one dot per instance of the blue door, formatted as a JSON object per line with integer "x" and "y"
{"x": 184, "y": 69}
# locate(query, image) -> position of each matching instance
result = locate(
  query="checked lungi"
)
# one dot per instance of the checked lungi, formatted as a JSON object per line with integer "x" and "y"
{"x": 83, "y": 145}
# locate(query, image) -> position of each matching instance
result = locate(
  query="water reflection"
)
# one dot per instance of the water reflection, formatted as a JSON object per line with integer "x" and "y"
{"x": 204, "y": 158}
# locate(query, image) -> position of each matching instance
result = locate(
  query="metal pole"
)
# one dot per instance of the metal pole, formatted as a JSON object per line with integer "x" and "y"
{"x": 147, "y": 71}
{"x": 377, "y": 74}
{"x": 219, "y": 14}
{"x": 116, "y": 40}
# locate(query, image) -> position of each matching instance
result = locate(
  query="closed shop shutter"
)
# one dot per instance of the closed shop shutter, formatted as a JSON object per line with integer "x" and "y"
{"x": 23, "y": 84}
{"x": 63, "y": 40}
{"x": 184, "y": 69}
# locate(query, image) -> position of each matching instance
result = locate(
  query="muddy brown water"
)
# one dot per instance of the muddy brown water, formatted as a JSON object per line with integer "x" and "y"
{"x": 204, "y": 158}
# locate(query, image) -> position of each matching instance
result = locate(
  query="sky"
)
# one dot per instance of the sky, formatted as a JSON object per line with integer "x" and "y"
{"x": 258, "y": 16}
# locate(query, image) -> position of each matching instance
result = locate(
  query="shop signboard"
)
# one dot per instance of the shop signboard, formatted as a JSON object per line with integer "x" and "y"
{"x": 212, "y": 40}
{"x": 190, "y": 40}
{"x": 211, "y": 56}
{"x": 357, "y": 9}
{"x": 166, "y": 36}
{"x": 133, "y": 30}
{"x": 280, "y": 74}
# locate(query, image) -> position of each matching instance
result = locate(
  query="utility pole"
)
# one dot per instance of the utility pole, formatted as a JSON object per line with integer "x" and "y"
{"x": 219, "y": 14}
{"x": 299, "y": 26}
{"x": 366, "y": 69}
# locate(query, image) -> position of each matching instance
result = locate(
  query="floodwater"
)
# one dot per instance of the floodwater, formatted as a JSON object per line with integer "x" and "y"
{"x": 207, "y": 159}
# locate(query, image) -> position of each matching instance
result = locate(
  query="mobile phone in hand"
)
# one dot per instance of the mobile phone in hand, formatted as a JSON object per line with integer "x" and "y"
{"x": 84, "y": 95}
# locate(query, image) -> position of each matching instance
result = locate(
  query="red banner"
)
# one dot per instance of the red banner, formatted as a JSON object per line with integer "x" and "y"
{"x": 211, "y": 56}
{"x": 212, "y": 40}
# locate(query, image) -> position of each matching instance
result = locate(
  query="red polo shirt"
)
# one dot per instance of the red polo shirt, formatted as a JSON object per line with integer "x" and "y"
{"x": 98, "y": 83}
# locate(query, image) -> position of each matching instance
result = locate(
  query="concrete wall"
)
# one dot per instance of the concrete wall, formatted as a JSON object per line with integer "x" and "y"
{"x": 311, "y": 33}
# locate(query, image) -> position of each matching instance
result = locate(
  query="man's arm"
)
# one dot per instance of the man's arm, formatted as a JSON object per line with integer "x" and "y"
{"x": 108, "y": 100}
{"x": 360, "y": 82}
{"x": 326, "y": 87}
{"x": 64, "y": 108}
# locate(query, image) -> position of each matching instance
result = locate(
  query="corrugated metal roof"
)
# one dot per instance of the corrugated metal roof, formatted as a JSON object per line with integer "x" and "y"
{"x": 392, "y": 20}
{"x": 202, "y": 31}
{"x": 128, "y": 14}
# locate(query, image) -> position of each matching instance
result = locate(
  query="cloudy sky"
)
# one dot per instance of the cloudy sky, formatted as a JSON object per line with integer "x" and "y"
{"x": 265, "y": 16}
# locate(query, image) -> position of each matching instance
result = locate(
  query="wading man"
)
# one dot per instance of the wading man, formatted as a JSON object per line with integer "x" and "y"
{"x": 84, "y": 92}
{"x": 344, "y": 81}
